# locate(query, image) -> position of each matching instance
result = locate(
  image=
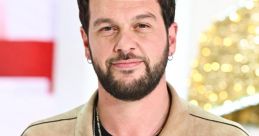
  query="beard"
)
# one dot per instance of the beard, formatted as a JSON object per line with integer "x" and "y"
{"x": 137, "y": 88}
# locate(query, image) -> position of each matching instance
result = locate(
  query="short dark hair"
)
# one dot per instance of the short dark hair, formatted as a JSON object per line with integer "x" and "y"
{"x": 167, "y": 9}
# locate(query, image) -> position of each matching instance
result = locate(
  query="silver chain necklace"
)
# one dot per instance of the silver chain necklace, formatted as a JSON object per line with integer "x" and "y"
{"x": 97, "y": 119}
{"x": 98, "y": 123}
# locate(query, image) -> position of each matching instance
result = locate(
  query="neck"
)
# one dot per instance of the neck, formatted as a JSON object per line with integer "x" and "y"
{"x": 142, "y": 117}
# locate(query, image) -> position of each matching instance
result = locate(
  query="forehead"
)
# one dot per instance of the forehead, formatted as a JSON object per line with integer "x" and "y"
{"x": 122, "y": 8}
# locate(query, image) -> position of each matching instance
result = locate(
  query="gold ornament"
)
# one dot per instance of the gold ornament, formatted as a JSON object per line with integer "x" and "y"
{"x": 226, "y": 72}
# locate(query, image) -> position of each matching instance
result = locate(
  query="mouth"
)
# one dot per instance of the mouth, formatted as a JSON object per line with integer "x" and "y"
{"x": 127, "y": 64}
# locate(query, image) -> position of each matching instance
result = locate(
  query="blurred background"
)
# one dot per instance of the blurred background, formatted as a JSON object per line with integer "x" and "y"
{"x": 43, "y": 70}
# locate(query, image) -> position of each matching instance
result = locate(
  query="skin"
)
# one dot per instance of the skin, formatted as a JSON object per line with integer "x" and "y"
{"x": 134, "y": 26}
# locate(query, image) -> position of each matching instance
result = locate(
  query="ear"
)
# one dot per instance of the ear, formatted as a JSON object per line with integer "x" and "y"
{"x": 86, "y": 43}
{"x": 172, "y": 31}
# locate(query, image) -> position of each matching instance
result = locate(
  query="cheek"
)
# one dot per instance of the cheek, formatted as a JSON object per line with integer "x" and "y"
{"x": 101, "y": 45}
{"x": 154, "y": 47}
{"x": 100, "y": 55}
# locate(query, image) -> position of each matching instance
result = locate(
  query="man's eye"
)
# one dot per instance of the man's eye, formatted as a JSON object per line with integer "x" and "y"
{"x": 108, "y": 30}
{"x": 142, "y": 27}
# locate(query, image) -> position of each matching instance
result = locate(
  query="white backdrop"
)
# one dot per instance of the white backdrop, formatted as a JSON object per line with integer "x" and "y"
{"x": 75, "y": 80}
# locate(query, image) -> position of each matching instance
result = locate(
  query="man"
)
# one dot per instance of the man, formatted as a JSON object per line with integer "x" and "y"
{"x": 128, "y": 43}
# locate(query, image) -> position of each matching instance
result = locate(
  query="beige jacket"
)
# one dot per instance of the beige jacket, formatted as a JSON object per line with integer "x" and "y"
{"x": 183, "y": 120}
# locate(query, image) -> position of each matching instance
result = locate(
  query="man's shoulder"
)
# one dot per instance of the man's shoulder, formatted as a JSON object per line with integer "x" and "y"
{"x": 214, "y": 124}
{"x": 61, "y": 124}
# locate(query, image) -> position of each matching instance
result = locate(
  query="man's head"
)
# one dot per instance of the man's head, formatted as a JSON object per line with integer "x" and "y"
{"x": 128, "y": 42}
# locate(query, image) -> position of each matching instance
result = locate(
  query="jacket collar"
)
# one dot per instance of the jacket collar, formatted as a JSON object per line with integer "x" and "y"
{"x": 84, "y": 124}
{"x": 178, "y": 116}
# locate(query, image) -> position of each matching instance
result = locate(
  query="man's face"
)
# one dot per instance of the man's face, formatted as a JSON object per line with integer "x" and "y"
{"x": 128, "y": 45}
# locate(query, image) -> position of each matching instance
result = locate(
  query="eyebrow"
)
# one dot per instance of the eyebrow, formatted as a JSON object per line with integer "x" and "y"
{"x": 102, "y": 20}
{"x": 138, "y": 17}
{"x": 146, "y": 15}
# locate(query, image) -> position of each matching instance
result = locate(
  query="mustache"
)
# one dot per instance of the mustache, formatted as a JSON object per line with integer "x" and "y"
{"x": 122, "y": 56}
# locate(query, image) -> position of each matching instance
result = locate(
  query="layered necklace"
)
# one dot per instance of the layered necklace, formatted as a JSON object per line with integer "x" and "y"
{"x": 98, "y": 129}
{"x": 97, "y": 125}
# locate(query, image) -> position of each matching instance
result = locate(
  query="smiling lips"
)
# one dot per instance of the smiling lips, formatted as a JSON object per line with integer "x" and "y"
{"x": 127, "y": 64}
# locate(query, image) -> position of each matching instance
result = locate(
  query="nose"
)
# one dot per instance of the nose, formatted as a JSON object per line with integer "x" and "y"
{"x": 126, "y": 43}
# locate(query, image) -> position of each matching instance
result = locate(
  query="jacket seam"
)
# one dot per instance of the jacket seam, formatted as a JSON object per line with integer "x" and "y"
{"x": 220, "y": 122}
{"x": 46, "y": 122}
